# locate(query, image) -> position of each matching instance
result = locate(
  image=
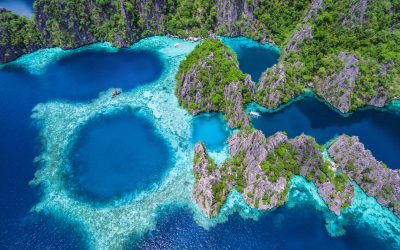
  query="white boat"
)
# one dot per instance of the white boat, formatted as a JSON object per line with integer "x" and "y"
{"x": 254, "y": 114}
{"x": 177, "y": 45}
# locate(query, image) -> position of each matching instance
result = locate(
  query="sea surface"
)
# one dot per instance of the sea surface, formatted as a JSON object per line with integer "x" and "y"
{"x": 103, "y": 170}
{"x": 378, "y": 130}
{"x": 79, "y": 77}
{"x": 22, "y": 7}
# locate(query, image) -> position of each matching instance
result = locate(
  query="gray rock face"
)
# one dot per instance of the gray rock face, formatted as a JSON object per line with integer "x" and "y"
{"x": 229, "y": 12}
{"x": 192, "y": 93}
{"x": 373, "y": 177}
{"x": 297, "y": 38}
{"x": 259, "y": 192}
{"x": 316, "y": 5}
{"x": 273, "y": 89}
{"x": 357, "y": 14}
{"x": 234, "y": 109}
{"x": 337, "y": 89}
{"x": 246, "y": 171}
{"x": 317, "y": 170}
{"x": 207, "y": 176}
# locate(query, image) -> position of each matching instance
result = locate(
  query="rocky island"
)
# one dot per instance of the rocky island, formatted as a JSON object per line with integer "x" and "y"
{"x": 261, "y": 168}
{"x": 209, "y": 80}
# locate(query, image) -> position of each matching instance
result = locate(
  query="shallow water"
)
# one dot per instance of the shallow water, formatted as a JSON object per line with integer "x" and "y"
{"x": 79, "y": 77}
{"x": 378, "y": 130}
{"x": 254, "y": 58}
{"x": 302, "y": 227}
{"x": 210, "y": 129}
{"x": 115, "y": 155}
{"x": 22, "y": 7}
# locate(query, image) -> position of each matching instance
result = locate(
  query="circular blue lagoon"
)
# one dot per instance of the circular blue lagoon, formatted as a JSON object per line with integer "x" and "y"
{"x": 378, "y": 130}
{"x": 79, "y": 77}
{"x": 115, "y": 155}
{"x": 254, "y": 58}
{"x": 210, "y": 129}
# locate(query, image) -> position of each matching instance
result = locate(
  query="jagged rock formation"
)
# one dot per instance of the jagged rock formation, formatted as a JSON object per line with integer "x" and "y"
{"x": 208, "y": 176}
{"x": 70, "y": 24}
{"x": 260, "y": 168}
{"x": 326, "y": 54}
{"x": 209, "y": 80}
{"x": 373, "y": 176}
{"x": 312, "y": 34}
{"x": 236, "y": 17}
{"x": 338, "y": 88}
{"x": 17, "y": 39}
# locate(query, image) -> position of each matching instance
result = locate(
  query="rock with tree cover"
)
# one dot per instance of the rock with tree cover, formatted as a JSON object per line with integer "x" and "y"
{"x": 261, "y": 168}
{"x": 209, "y": 80}
{"x": 373, "y": 176}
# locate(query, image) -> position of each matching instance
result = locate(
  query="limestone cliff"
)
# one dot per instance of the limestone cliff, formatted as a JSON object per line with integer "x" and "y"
{"x": 260, "y": 168}
{"x": 209, "y": 80}
{"x": 373, "y": 176}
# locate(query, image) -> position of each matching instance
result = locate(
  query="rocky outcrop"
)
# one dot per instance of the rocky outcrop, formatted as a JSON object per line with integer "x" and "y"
{"x": 373, "y": 176}
{"x": 297, "y": 38}
{"x": 13, "y": 36}
{"x": 274, "y": 89}
{"x": 205, "y": 85}
{"x": 209, "y": 191}
{"x": 316, "y": 5}
{"x": 332, "y": 187}
{"x": 356, "y": 16}
{"x": 236, "y": 17}
{"x": 338, "y": 88}
{"x": 260, "y": 168}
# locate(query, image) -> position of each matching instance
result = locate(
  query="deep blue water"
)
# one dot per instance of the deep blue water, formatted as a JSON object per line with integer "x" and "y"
{"x": 379, "y": 131}
{"x": 301, "y": 227}
{"x": 253, "y": 57}
{"x": 22, "y": 7}
{"x": 116, "y": 155}
{"x": 211, "y": 130}
{"x": 80, "y": 78}
{"x": 77, "y": 78}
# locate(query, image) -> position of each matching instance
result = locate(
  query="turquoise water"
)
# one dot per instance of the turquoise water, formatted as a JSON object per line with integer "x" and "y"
{"x": 254, "y": 58}
{"x": 72, "y": 139}
{"x": 116, "y": 155}
{"x": 22, "y": 7}
{"x": 211, "y": 130}
{"x": 76, "y": 77}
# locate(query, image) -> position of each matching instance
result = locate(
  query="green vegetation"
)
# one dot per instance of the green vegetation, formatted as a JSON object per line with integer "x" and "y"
{"x": 17, "y": 32}
{"x": 374, "y": 41}
{"x": 213, "y": 66}
{"x": 281, "y": 163}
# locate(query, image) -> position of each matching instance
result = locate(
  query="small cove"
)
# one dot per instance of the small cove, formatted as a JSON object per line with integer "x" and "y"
{"x": 254, "y": 58}
{"x": 210, "y": 129}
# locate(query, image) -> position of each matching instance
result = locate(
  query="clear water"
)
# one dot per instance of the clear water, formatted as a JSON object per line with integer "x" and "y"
{"x": 116, "y": 155}
{"x": 77, "y": 78}
{"x": 301, "y": 227}
{"x": 211, "y": 130}
{"x": 80, "y": 78}
{"x": 22, "y": 7}
{"x": 254, "y": 58}
{"x": 378, "y": 130}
